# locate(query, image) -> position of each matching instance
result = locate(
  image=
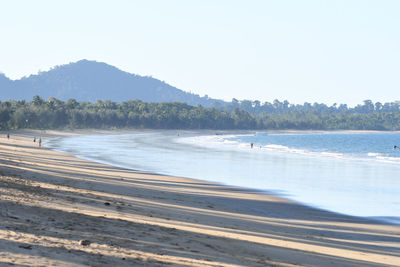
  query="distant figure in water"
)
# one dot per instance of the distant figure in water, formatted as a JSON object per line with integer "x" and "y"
{"x": 395, "y": 147}
{"x": 40, "y": 141}
{"x": 8, "y": 136}
{"x": 251, "y": 145}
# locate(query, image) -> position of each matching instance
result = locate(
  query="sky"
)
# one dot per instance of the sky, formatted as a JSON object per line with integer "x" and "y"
{"x": 301, "y": 51}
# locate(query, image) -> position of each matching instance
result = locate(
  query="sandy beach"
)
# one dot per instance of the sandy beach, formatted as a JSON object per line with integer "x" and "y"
{"x": 59, "y": 210}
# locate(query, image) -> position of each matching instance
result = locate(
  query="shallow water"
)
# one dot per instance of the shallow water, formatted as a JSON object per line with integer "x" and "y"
{"x": 350, "y": 173}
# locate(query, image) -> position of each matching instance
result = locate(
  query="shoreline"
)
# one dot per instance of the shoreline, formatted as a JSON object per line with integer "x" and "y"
{"x": 302, "y": 199}
{"x": 275, "y": 193}
{"x": 51, "y": 134}
{"x": 182, "y": 221}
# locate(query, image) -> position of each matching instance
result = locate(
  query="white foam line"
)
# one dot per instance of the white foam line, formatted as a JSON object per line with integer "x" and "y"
{"x": 221, "y": 141}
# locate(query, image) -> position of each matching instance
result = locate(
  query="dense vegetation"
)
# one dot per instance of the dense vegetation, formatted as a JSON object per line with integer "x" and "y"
{"x": 55, "y": 114}
{"x": 256, "y": 107}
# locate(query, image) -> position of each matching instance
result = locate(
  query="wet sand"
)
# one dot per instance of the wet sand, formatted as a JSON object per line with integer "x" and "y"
{"x": 51, "y": 201}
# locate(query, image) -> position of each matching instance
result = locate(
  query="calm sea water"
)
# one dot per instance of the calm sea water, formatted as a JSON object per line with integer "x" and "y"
{"x": 351, "y": 173}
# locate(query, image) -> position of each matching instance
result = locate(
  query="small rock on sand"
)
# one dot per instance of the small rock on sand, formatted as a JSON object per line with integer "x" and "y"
{"x": 85, "y": 242}
{"x": 25, "y": 246}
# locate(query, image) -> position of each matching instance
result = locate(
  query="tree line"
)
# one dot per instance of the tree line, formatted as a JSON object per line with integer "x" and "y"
{"x": 56, "y": 114}
{"x": 256, "y": 107}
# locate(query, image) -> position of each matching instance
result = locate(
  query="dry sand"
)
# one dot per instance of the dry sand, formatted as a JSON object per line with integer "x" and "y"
{"x": 51, "y": 201}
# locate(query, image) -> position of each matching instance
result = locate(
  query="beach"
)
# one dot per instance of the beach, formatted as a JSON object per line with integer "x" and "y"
{"x": 60, "y": 210}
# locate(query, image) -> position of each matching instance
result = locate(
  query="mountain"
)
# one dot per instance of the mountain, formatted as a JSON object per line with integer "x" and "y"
{"x": 91, "y": 81}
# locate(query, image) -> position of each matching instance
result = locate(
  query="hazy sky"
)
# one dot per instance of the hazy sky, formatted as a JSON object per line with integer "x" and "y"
{"x": 325, "y": 51}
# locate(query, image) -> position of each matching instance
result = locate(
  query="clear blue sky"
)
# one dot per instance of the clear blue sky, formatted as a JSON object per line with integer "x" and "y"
{"x": 325, "y": 51}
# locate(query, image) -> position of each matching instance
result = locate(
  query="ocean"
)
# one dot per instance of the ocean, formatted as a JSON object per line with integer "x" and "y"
{"x": 353, "y": 173}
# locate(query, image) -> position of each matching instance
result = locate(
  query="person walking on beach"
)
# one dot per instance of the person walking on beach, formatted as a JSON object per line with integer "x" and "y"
{"x": 251, "y": 145}
{"x": 8, "y": 135}
{"x": 34, "y": 139}
{"x": 40, "y": 141}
